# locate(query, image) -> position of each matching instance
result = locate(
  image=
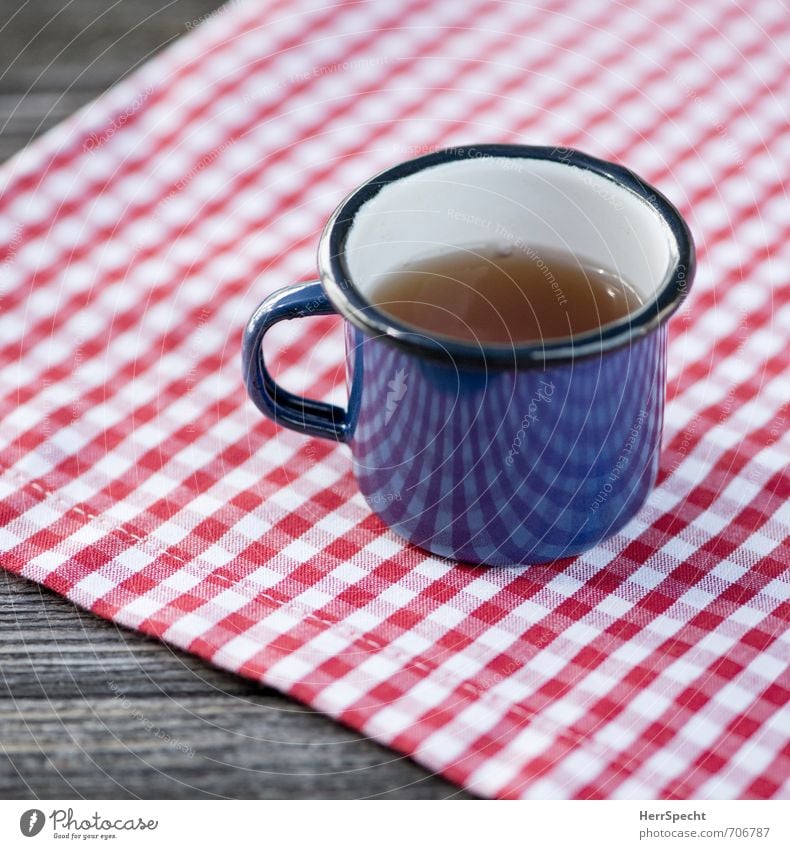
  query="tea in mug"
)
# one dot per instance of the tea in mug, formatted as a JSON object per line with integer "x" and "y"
{"x": 504, "y": 295}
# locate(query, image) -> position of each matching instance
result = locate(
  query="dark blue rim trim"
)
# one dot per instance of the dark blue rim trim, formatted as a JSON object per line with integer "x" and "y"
{"x": 351, "y": 304}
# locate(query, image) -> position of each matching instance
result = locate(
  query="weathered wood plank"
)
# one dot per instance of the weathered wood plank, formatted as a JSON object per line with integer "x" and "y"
{"x": 86, "y": 45}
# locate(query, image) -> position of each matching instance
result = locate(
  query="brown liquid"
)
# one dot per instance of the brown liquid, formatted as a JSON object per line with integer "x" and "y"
{"x": 504, "y": 295}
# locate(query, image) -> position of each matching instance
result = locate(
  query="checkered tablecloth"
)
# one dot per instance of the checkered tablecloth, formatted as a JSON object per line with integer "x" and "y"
{"x": 139, "y": 481}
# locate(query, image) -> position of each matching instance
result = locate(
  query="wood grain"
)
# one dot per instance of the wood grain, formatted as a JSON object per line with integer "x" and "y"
{"x": 91, "y": 710}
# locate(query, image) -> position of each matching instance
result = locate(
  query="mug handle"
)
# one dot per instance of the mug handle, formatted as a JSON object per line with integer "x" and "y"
{"x": 314, "y": 418}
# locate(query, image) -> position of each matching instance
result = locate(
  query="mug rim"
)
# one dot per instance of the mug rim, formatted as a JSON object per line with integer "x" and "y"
{"x": 350, "y": 303}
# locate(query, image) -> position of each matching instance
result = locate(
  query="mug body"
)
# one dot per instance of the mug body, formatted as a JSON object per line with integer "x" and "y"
{"x": 509, "y": 466}
{"x": 494, "y": 453}
{"x": 516, "y": 453}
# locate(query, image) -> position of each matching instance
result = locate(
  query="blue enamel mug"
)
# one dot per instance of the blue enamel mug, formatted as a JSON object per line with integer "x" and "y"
{"x": 493, "y": 454}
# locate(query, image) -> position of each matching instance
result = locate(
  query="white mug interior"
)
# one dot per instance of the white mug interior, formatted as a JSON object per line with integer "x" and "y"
{"x": 525, "y": 203}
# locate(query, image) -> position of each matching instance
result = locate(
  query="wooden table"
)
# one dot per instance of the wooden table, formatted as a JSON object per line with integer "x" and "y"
{"x": 88, "y": 709}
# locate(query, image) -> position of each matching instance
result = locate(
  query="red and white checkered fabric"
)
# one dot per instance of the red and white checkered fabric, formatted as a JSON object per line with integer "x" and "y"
{"x": 139, "y": 481}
